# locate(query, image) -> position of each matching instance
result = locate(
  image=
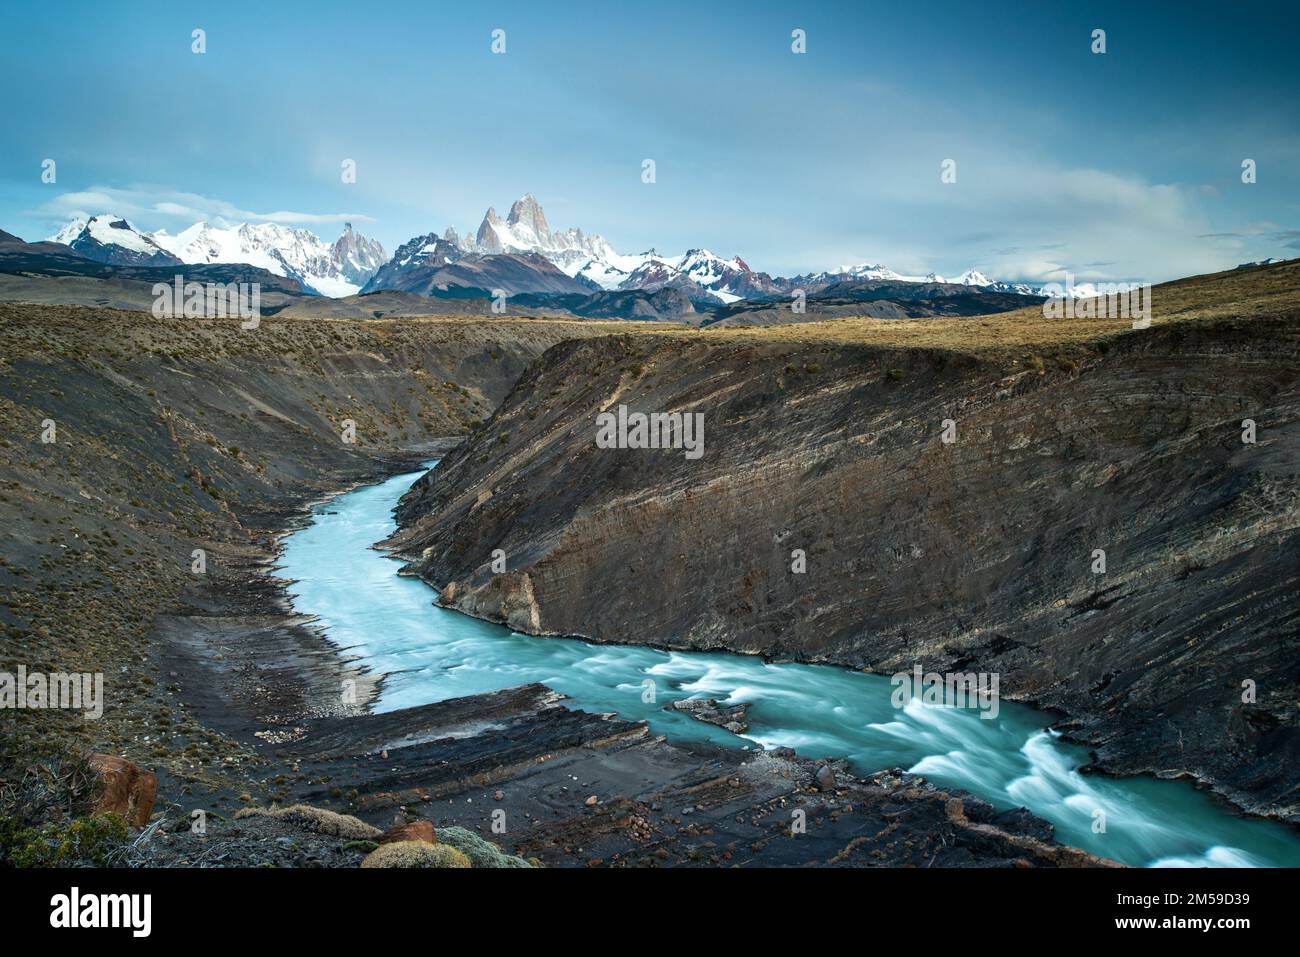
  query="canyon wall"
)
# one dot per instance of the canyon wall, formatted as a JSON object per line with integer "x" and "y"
{"x": 129, "y": 442}
{"x": 979, "y": 554}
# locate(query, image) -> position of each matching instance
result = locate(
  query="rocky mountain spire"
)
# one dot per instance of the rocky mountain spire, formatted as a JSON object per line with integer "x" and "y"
{"x": 486, "y": 238}
{"x": 527, "y": 212}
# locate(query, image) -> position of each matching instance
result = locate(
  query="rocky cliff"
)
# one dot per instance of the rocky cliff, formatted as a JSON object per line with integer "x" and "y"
{"x": 982, "y": 553}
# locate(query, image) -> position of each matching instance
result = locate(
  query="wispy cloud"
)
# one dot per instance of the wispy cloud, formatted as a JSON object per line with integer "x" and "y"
{"x": 152, "y": 208}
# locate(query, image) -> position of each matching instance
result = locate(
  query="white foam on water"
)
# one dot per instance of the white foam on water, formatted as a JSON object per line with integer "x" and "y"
{"x": 432, "y": 653}
{"x": 1217, "y": 856}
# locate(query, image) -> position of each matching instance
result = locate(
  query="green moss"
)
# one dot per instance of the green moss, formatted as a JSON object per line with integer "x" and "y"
{"x": 482, "y": 853}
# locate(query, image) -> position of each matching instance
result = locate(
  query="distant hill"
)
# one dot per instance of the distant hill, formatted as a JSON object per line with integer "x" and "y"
{"x": 872, "y": 298}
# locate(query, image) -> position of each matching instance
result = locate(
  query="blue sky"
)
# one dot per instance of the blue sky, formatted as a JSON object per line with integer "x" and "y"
{"x": 1125, "y": 165}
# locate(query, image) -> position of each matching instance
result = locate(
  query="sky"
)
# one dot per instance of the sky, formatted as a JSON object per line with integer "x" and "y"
{"x": 1124, "y": 165}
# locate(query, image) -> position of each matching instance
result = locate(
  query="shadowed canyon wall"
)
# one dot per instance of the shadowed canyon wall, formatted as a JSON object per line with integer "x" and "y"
{"x": 974, "y": 555}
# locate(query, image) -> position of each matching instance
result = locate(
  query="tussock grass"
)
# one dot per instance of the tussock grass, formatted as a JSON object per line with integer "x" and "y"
{"x": 1238, "y": 293}
{"x": 416, "y": 854}
{"x": 317, "y": 820}
{"x": 1254, "y": 291}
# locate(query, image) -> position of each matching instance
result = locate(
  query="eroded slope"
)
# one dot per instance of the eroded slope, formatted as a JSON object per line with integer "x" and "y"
{"x": 975, "y": 555}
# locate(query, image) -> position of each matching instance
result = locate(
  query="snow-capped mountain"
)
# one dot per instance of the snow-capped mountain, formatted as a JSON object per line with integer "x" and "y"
{"x": 340, "y": 269}
{"x": 354, "y": 262}
{"x": 69, "y": 232}
{"x": 973, "y": 277}
{"x": 111, "y": 239}
{"x": 357, "y": 257}
{"x": 869, "y": 272}
{"x": 525, "y": 230}
{"x": 591, "y": 260}
{"x": 595, "y": 264}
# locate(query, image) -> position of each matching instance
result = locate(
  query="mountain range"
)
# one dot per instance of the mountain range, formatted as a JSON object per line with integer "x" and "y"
{"x": 520, "y": 254}
{"x": 592, "y": 263}
{"x": 337, "y": 269}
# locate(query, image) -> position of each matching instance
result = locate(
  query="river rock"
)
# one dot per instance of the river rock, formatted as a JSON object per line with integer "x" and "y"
{"x": 711, "y": 711}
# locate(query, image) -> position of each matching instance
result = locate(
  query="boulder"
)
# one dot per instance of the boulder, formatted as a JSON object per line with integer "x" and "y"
{"x": 124, "y": 789}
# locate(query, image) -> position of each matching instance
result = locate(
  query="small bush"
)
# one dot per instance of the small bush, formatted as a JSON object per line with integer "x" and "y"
{"x": 94, "y": 841}
{"x": 318, "y": 821}
{"x": 415, "y": 854}
{"x": 482, "y": 853}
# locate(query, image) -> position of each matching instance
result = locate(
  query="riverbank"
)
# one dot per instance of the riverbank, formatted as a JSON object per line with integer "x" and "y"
{"x": 1004, "y": 757}
{"x": 574, "y": 788}
{"x": 146, "y": 468}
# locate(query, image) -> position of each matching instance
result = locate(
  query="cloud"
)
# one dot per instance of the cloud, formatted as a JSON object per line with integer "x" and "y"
{"x": 150, "y": 208}
{"x": 1096, "y": 224}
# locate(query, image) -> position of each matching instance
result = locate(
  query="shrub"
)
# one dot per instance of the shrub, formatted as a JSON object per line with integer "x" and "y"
{"x": 317, "y": 820}
{"x": 415, "y": 854}
{"x": 481, "y": 853}
{"x": 93, "y": 841}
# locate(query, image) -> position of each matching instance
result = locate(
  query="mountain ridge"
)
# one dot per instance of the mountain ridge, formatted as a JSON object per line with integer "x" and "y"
{"x": 706, "y": 278}
{"x": 333, "y": 269}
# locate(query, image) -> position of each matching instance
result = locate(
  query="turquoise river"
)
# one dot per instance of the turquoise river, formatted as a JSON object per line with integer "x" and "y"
{"x": 429, "y": 654}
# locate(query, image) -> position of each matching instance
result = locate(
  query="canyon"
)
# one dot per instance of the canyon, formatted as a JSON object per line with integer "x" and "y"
{"x": 1178, "y": 660}
{"x": 824, "y": 438}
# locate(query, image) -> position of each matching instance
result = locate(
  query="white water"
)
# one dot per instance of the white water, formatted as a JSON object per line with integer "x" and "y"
{"x": 430, "y": 653}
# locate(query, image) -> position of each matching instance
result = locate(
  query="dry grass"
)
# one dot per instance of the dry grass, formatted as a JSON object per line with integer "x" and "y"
{"x": 416, "y": 854}
{"x": 317, "y": 820}
{"x": 44, "y": 331}
{"x": 1242, "y": 293}
{"x": 1256, "y": 291}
